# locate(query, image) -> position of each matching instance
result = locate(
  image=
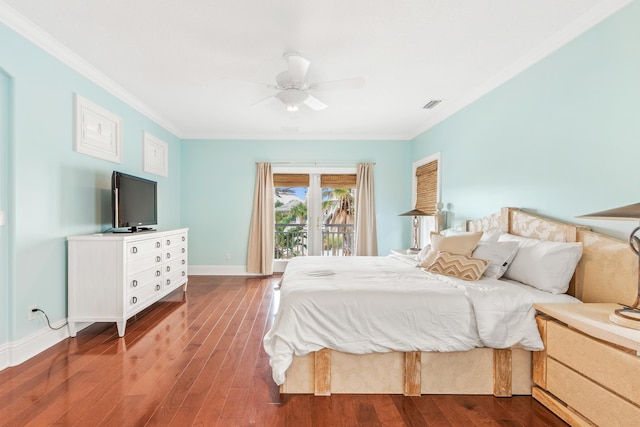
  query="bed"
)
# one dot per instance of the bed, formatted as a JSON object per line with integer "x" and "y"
{"x": 481, "y": 343}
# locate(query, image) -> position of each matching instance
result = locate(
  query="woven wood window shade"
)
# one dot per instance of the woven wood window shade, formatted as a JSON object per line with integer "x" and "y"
{"x": 427, "y": 187}
{"x": 338, "y": 181}
{"x": 290, "y": 180}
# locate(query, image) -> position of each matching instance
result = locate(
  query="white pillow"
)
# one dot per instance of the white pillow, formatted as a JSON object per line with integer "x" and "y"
{"x": 491, "y": 236}
{"x": 547, "y": 266}
{"x": 422, "y": 255}
{"x": 499, "y": 254}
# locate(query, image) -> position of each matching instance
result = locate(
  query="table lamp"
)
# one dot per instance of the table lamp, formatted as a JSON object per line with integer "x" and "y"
{"x": 628, "y": 316}
{"x": 415, "y": 213}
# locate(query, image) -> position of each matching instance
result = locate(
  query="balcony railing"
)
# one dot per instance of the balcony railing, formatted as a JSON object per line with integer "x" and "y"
{"x": 292, "y": 240}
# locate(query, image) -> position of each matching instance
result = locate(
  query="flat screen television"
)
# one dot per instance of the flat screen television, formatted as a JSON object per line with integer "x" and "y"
{"x": 134, "y": 202}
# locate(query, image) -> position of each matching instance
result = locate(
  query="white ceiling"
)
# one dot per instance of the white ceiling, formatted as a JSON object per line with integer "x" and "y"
{"x": 197, "y": 66}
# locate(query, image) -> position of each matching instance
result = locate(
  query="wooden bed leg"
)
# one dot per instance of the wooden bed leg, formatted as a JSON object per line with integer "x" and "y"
{"x": 412, "y": 373}
{"x": 539, "y": 358}
{"x": 322, "y": 373}
{"x": 502, "y": 372}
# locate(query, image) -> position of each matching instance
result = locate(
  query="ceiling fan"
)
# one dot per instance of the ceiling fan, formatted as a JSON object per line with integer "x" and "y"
{"x": 293, "y": 87}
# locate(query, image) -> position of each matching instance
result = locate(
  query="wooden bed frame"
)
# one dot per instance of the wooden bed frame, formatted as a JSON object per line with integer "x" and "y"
{"x": 607, "y": 272}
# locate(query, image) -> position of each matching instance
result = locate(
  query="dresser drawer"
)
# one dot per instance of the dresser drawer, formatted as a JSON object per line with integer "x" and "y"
{"x": 175, "y": 278}
{"x": 143, "y": 248}
{"x": 175, "y": 252}
{"x": 589, "y": 399}
{"x": 145, "y": 278}
{"x": 174, "y": 265}
{"x": 145, "y": 262}
{"x": 140, "y": 297}
{"x": 604, "y": 364}
{"x": 175, "y": 240}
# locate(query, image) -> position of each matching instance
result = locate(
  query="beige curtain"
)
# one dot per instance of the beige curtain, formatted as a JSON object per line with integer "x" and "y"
{"x": 260, "y": 251}
{"x": 366, "y": 236}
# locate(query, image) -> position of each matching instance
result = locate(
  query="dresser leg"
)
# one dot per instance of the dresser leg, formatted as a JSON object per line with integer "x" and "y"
{"x": 121, "y": 326}
{"x": 72, "y": 329}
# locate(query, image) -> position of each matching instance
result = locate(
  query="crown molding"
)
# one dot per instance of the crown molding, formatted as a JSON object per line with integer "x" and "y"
{"x": 588, "y": 20}
{"x": 30, "y": 31}
{"x": 300, "y": 137}
{"x": 26, "y": 28}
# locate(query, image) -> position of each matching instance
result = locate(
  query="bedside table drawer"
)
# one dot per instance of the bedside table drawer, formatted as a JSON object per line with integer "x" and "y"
{"x": 589, "y": 399}
{"x": 604, "y": 364}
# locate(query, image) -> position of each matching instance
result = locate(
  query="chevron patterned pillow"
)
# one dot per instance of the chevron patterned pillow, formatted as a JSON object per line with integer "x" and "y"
{"x": 460, "y": 266}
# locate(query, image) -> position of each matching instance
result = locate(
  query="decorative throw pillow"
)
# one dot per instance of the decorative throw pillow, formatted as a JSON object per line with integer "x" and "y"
{"x": 458, "y": 244}
{"x": 499, "y": 254}
{"x": 545, "y": 265}
{"x": 460, "y": 266}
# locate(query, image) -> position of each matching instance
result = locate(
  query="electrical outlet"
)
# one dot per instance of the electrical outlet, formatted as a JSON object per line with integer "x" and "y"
{"x": 32, "y": 314}
{"x": 227, "y": 256}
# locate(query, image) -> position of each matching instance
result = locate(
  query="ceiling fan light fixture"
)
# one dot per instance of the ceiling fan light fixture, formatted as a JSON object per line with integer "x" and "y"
{"x": 292, "y": 98}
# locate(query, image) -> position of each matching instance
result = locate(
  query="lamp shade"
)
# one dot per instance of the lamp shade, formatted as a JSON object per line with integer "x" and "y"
{"x": 415, "y": 212}
{"x": 624, "y": 213}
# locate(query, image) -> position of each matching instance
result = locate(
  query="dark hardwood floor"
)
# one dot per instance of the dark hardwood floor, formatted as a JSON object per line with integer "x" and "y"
{"x": 199, "y": 361}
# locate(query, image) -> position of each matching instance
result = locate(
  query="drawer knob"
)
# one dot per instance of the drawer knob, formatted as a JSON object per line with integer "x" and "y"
{"x": 157, "y": 244}
{"x": 184, "y": 238}
{"x": 168, "y": 282}
{"x": 157, "y": 287}
{"x": 134, "y": 300}
{"x": 134, "y": 283}
{"x": 183, "y": 250}
{"x": 183, "y": 262}
{"x": 134, "y": 250}
{"x": 158, "y": 273}
{"x": 168, "y": 255}
{"x": 168, "y": 269}
{"x": 184, "y": 273}
{"x": 168, "y": 242}
{"x": 158, "y": 259}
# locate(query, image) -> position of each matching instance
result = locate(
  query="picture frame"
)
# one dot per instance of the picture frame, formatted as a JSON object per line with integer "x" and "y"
{"x": 98, "y": 131}
{"x": 155, "y": 155}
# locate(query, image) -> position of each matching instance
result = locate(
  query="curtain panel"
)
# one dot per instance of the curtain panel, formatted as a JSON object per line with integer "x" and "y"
{"x": 366, "y": 235}
{"x": 260, "y": 250}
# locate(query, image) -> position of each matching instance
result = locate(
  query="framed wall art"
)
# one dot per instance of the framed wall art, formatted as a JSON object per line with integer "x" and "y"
{"x": 98, "y": 131}
{"x": 156, "y": 155}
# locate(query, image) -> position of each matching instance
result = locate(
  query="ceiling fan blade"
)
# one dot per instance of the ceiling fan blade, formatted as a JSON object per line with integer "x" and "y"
{"x": 298, "y": 67}
{"x": 354, "y": 83}
{"x": 314, "y": 103}
{"x": 262, "y": 101}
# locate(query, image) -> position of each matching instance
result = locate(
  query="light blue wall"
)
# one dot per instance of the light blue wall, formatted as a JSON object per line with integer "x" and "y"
{"x": 218, "y": 179}
{"x": 56, "y": 191}
{"x": 561, "y": 138}
{"x": 5, "y": 296}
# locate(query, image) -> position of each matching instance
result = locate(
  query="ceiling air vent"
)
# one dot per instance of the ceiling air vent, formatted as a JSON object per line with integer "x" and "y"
{"x": 431, "y": 104}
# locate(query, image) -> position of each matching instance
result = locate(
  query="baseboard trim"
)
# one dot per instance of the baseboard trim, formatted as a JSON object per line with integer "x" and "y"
{"x": 219, "y": 270}
{"x": 16, "y": 352}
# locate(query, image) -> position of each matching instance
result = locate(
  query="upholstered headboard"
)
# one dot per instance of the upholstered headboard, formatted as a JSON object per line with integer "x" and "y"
{"x": 608, "y": 269}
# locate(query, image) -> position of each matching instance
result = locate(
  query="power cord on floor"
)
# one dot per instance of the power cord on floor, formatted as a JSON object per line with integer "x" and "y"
{"x": 34, "y": 310}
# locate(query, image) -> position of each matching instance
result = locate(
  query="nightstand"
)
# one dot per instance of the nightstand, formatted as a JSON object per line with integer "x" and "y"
{"x": 589, "y": 372}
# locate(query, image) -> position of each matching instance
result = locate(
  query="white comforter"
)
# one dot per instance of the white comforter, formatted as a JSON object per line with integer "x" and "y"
{"x": 379, "y": 304}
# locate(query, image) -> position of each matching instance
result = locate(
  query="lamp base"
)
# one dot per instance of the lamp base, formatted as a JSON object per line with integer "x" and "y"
{"x": 627, "y": 317}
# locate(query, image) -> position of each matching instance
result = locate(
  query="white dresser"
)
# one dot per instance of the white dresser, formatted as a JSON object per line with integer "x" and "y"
{"x": 113, "y": 276}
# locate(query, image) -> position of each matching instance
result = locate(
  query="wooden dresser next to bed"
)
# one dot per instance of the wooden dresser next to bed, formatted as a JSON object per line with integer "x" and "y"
{"x": 589, "y": 373}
